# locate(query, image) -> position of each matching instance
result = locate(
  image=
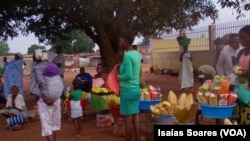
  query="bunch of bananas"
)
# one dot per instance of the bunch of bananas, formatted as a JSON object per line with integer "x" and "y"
{"x": 97, "y": 89}
{"x": 113, "y": 101}
{"x": 67, "y": 96}
{"x": 84, "y": 95}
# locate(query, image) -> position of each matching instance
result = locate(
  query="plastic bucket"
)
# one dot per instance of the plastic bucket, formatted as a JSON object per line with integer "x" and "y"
{"x": 145, "y": 105}
{"x": 217, "y": 112}
{"x": 103, "y": 120}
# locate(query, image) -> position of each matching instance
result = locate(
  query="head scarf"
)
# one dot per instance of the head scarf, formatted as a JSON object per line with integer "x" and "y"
{"x": 207, "y": 69}
{"x": 51, "y": 70}
{"x": 41, "y": 55}
{"x": 15, "y": 86}
{"x": 20, "y": 55}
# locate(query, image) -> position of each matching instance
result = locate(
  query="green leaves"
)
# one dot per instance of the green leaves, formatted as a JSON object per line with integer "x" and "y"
{"x": 4, "y": 48}
{"x": 50, "y": 18}
{"x": 59, "y": 21}
{"x": 238, "y": 5}
{"x": 75, "y": 42}
{"x": 32, "y": 48}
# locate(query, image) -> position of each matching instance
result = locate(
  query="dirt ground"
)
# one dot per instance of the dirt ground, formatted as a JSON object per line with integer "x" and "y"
{"x": 32, "y": 130}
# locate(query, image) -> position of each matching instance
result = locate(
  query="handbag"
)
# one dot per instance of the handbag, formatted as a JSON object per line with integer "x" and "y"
{"x": 243, "y": 94}
{"x": 113, "y": 82}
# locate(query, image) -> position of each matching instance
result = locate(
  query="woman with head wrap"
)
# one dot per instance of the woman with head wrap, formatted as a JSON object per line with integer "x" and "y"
{"x": 15, "y": 111}
{"x": 50, "y": 86}
{"x": 13, "y": 74}
{"x": 206, "y": 72}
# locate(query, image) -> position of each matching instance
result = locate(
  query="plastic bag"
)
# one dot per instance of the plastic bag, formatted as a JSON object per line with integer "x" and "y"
{"x": 112, "y": 82}
{"x": 244, "y": 94}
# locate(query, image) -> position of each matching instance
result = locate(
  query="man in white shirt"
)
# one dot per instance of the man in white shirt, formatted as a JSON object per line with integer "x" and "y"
{"x": 224, "y": 66}
{"x": 59, "y": 60}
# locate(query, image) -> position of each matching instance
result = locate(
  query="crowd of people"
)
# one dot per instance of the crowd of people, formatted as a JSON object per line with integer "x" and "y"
{"x": 225, "y": 59}
{"x": 48, "y": 88}
{"x": 47, "y": 73}
{"x": 237, "y": 53}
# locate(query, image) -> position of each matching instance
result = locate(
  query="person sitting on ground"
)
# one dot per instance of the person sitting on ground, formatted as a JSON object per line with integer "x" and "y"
{"x": 15, "y": 104}
{"x": 206, "y": 72}
{"x": 86, "y": 80}
{"x": 100, "y": 77}
{"x": 15, "y": 111}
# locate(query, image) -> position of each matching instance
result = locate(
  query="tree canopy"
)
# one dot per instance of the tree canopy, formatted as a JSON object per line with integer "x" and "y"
{"x": 4, "y": 48}
{"x": 75, "y": 42}
{"x": 102, "y": 20}
{"x": 239, "y": 5}
{"x": 32, "y": 48}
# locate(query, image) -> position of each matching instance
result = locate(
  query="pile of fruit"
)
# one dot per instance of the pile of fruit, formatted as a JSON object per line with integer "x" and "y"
{"x": 100, "y": 90}
{"x": 85, "y": 96}
{"x": 182, "y": 108}
{"x": 243, "y": 79}
{"x": 113, "y": 101}
{"x": 238, "y": 70}
{"x": 173, "y": 104}
{"x": 216, "y": 92}
{"x": 151, "y": 93}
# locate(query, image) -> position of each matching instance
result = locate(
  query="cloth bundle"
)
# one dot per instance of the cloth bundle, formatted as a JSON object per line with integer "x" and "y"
{"x": 51, "y": 70}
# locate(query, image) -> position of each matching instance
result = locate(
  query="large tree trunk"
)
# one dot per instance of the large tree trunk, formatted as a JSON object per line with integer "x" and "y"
{"x": 108, "y": 44}
{"x": 109, "y": 56}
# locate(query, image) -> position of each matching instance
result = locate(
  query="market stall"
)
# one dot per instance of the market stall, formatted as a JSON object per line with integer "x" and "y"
{"x": 215, "y": 99}
{"x": 99, "y": 103}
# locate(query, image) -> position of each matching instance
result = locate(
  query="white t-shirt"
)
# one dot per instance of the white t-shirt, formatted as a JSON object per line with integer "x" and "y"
{"x": 19, "y": 101}
{"x": 61, "y": 60}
